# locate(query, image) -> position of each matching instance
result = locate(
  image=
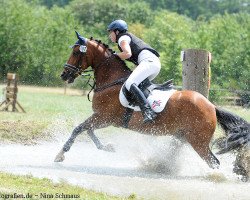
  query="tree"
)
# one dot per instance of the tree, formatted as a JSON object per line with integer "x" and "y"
{"x": 196, "y": 8}
{"x": 97, "y": 14}
{"x": 33, "y": 40}
{"x": 230, "y": 45}
{"x": 169, "y": 35}
{"x": 51, "y": 3}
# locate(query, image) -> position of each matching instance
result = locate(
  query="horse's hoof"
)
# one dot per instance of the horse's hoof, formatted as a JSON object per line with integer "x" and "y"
{"x": 60, "y": 157}
{"x": 109, "y": 148}
{"x": 216, "y": 177}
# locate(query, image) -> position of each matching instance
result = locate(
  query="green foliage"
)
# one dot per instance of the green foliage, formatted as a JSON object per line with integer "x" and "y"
{"x": 230, "y": 42}
{"x": 169, "y": 35}
{"x": 51, "y": 3}
{"x": 197, "y": 8}
{"x": 34, "y": 40}
{"x": 97, "y": 14}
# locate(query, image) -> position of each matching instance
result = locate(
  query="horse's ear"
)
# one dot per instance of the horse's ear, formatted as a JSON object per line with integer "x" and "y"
{"x": 81, "y": 40}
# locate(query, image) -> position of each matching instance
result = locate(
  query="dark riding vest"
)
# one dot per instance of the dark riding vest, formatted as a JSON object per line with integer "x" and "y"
{"x": 136, "y": 45}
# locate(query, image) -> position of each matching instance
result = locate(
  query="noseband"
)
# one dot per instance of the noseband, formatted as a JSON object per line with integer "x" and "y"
{"x": 72, "y": 68}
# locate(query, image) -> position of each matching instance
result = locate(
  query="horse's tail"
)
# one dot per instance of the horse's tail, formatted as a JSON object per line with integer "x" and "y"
{"x": 237, "y": 131}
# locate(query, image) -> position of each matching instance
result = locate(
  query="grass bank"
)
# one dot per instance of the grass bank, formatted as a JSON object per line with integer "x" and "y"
{"x": 46, "y": 106}
{"x": 43, "y": 107}
{"x": 12, "y": 186}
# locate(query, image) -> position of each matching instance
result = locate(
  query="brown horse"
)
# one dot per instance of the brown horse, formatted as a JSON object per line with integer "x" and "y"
{"x": 188, "y": 114}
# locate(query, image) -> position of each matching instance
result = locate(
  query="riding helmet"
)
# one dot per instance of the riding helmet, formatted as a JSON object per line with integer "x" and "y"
{"x": 119, "y": 25}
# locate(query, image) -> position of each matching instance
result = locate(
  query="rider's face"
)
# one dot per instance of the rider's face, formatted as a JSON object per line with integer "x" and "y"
{"x": 112, "y": 36}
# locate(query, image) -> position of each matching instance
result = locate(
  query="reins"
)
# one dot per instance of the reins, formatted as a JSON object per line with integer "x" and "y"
{"x": 101, "y": 88}
{"x": 116, "y": 82}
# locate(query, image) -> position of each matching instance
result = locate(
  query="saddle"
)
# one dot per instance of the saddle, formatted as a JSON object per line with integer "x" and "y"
{"x": 156, "y": 94}
{"x": 146, "y": 87}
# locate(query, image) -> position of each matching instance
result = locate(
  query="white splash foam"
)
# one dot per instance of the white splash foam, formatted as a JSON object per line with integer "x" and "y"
{"x": 141, "y": 164}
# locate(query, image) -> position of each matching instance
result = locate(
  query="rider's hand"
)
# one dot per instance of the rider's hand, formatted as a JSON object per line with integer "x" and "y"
{"x": 116, "y": 55}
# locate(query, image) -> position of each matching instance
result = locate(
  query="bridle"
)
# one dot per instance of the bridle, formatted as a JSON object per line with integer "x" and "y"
{"x": 72, "y": 68}
{"x": 77, "y": 70}
{"x": 74, "y": 71}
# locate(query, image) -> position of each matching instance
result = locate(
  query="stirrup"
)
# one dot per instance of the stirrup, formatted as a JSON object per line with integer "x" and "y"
{"x": 148, "y": 115}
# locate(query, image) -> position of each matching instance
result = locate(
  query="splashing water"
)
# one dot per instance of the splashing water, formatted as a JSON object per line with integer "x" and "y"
{"x": 151, "y": 167}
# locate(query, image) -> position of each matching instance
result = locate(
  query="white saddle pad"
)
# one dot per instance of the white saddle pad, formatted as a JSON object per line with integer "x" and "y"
{"x": 157, "y": 100}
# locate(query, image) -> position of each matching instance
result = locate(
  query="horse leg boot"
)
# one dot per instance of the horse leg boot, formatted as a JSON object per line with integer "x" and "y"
{"x": 148, "y": 114}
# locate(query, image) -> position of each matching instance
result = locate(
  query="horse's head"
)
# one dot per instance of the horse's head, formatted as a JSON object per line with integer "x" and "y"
{"x": 92, "y": 53}
{"x": 77, "y": 61}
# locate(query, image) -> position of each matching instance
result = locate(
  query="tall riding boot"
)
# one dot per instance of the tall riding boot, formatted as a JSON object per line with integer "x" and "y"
{"x": 148, "y": 114}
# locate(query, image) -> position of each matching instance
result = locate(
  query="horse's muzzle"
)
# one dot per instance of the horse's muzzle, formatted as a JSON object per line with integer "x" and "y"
{"x": 68, "y": 76}
{"x": 64, "y": 76}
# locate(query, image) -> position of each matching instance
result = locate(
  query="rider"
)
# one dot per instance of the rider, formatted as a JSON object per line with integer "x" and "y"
{"x": 141, "y": 54}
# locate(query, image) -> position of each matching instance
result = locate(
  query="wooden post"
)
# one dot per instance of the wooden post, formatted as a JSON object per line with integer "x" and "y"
{"x": 65, "y": 88}
{"x": 196, "y": 70}
{"x": 11, "y": 95}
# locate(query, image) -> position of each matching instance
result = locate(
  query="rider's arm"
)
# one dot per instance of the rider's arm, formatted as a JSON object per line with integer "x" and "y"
{"x": 126, "y": 50}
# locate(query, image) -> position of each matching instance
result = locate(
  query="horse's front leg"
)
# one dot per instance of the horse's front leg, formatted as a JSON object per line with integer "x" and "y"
{"x": 88, "y": 125}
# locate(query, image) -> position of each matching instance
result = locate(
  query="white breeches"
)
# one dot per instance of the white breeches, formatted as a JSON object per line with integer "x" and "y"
{"x": 147, "y": 68}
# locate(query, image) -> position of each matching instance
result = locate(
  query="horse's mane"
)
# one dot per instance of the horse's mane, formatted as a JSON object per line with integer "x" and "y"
{"x": 106, "y": 46}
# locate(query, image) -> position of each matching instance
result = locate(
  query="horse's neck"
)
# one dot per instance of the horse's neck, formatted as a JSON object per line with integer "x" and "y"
{"x": 111, "y": 69}
{"x": 107, "y": 67}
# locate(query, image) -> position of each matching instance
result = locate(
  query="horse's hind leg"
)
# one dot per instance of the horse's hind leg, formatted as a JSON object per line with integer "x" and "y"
{"x": 200, "y": 143}
{"x": 212, "y": 161}
{"x": 206, "y": 154}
